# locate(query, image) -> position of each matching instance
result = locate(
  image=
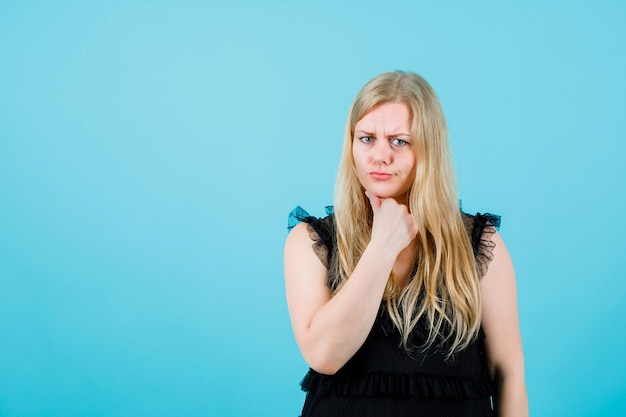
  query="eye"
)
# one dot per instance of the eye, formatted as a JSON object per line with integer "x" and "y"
{"x": 399, "y": 142}
{"x": 366, "y": 139}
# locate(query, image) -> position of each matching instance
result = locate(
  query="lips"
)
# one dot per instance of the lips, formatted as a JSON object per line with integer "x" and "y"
{"x": 380, "y": 176}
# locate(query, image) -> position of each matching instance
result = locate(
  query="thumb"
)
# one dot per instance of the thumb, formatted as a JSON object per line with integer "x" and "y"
{"x": 375, "y": 201}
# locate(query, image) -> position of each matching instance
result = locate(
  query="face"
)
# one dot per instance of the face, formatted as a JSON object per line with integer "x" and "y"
{"x": 383, "y": 155}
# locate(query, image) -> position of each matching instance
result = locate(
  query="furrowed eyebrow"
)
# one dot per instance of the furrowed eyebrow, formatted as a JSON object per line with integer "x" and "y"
{"x": 393, "y": 135}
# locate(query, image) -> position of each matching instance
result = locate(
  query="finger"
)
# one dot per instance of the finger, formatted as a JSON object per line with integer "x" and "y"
{"x": 375, "y": 201}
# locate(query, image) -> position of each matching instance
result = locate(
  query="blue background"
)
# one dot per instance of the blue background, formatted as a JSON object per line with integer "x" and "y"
{"x": 151, "y": 150}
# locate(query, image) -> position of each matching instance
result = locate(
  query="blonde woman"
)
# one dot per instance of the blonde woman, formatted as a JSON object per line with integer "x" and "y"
{"x": 401, "y": 304}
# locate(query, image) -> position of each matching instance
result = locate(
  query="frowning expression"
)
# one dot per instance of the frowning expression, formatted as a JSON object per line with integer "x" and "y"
{"x": 383, "y": 155}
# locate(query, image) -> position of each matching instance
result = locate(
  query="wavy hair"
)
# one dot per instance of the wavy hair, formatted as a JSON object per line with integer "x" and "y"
{"x": 444, "y": 289}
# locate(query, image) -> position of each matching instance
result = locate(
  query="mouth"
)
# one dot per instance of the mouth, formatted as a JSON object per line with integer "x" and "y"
{"x": 380, "y": 176}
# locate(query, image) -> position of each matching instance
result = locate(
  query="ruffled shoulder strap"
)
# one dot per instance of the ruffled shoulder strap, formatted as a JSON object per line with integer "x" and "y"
{"x": 480, "y": 228}
{"x": 321, "y": 231}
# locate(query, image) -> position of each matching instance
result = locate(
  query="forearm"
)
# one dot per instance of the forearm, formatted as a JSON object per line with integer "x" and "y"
{"x": 341, "y": 326}
{"x": 511, "y": 398}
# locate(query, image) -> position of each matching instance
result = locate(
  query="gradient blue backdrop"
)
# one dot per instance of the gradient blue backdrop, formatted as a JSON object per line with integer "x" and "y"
{"x": 151, "y": 150}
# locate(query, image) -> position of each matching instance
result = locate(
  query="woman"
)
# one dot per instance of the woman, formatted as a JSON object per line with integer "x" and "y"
{"x": 401, "y": 304}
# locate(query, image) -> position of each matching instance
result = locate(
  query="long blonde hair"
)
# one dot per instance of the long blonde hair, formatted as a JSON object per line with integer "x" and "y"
{"x": 445, "y": 287}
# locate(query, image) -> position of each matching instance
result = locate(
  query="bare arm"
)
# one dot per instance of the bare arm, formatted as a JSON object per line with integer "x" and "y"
{"x": 329, "y": 330}
{"x": 504, "y": 342}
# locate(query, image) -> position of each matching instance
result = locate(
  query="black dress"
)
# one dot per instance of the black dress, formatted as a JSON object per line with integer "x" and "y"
{"x": 382, "y": 379}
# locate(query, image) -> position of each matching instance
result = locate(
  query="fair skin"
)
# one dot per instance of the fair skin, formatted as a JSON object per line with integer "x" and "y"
{"x": 504, "y": 342}
{"x": 329, "y": 330}
{"x": 383, "y": 156}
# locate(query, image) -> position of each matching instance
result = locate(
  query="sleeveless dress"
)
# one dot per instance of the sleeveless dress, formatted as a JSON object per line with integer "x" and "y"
{"x": 382, "y": 379}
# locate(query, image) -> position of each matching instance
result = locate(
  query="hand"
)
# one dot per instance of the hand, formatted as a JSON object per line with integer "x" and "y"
{"x": 394, "y": 227}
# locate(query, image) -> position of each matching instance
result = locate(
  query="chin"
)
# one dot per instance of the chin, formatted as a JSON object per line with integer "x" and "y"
{"x": 387, "y": 194}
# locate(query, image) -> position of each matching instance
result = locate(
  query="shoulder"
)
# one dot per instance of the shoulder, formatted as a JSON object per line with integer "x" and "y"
{"x": 324, "y": 225}
{"x": 312, "y": 232}
{"x": 300, "y": 234}
{"x": 477, "y": 224}
{"x": 482, "y": 232}
{"x": 500, "y": 259}
{"x": 300, "y": 251}
{"x": 304, "y": 269}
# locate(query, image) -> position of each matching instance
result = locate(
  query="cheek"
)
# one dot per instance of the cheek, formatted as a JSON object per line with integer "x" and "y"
{"x": 406, "y": 161}
{"x": 359, "y": 160}
{"x": 412, "y": 162}
{"x": 410, "y": 169}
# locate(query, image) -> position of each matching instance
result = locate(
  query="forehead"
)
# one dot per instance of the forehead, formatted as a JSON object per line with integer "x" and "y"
{"x": 387, "y": 117}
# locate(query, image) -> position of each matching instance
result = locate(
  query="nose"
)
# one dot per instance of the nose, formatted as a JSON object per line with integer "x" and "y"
{"x": 381, "y": 153}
